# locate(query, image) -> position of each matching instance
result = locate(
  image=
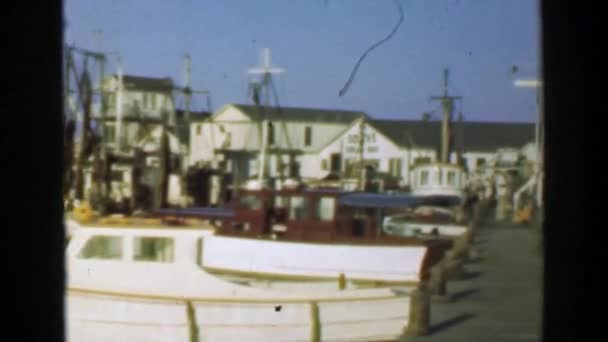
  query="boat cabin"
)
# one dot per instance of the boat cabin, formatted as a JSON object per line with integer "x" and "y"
{"x": 438, "y": 179}
{"x": 319, "y": 215}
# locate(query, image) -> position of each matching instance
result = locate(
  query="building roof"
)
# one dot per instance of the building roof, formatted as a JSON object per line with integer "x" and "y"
{"x": 182, "y": 128}
{"x": 195, "y": 116}
{"x": 301, "y": 114}
{"x": 476, "y": 136}
{"x": 164, "y": 84}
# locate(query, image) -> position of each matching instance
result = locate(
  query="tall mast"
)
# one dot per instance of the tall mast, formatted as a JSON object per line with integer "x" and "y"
{"x": 187, "y": 90}
{"x": 447, "y": 103}
{"x": 119, "y": 104}
{"x": 361, "y": 156}
{"x": 188, "y": 93}
{"x": 266, "y": 72}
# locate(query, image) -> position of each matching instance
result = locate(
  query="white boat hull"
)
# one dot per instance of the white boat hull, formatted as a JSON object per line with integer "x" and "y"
{"x": 310, "y": 260}
{"x": 94, "y": 318}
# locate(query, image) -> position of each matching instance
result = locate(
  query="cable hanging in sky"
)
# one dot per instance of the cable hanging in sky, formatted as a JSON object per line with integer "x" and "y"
{"x": 354, "y": 71}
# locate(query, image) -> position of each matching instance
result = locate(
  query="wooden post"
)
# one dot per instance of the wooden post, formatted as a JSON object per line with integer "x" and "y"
{"x": 315, "y": 323}
{"x": 438, "y": 281}
{"x": 192, "y": 323}
{"x": 461, "y": 244}
{"x": 420, "y": 313}
{"x": 341, "y": 281}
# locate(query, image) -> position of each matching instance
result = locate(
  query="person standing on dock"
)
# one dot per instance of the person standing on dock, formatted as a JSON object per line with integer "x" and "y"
{"x": 502, "y": 197}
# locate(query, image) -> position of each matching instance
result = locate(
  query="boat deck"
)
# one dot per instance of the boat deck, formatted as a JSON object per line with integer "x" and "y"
{"x": 502, "y": 298}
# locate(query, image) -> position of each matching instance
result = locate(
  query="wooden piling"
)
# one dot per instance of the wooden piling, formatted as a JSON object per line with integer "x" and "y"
{"x": 420, "y": 313}
{"x": 438, "y": 281}
{"x": 315, "y": 323}
{"x": 192, "y": 323}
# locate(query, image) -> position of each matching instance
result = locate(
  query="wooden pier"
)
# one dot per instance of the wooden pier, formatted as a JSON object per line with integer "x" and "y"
{"x": 500, "y": 297}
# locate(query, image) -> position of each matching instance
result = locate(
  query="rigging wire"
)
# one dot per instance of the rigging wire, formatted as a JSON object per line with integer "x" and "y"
{"x": 391, "y": 34}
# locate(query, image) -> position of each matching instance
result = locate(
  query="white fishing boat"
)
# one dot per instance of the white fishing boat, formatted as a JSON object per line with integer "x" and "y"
{"x": 147, "y": 281}
{"x": 438, "y": 179}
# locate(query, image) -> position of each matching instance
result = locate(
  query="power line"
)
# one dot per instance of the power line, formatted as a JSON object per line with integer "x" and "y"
{"x": 354, "y": 71}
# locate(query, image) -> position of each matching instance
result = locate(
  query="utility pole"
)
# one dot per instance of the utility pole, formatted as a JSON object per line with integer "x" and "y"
{"x": 447, "y": 103}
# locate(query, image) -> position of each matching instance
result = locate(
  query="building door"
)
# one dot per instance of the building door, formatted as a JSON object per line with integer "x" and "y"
{"x": 335, "y": 163}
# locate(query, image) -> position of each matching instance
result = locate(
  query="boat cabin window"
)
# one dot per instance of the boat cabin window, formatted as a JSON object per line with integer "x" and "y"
{"x": 102, "y": 247}
{"x": 297, "y": 208}
{"x": 251, "y": 202}
{"x": 159, "y": 249}
{"x": 451, "y": 178}
{"x": 326, "y": 207}
{"x": 437, "y": 177}
{"x": 280, "y": 201}
{"x": 424, "y": 177}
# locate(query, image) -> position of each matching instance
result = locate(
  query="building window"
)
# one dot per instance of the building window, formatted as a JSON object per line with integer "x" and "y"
{"x": 110, "y": 132}
{"x": 424, "y": 177}
{"x": 394, "y": 167}
{"x": 336, "y": 162}
{"x": 438, "y": 177}
{"x": 451, "y": 178}
{"x": 481, "y": 162}
{"x": 326, "y": 208}
{"x": 102, "y": 247}
{"x": 199, "y": 128}
{"x": 307, "y": 136}
{"x": 279, "y": 202}
{"x": 270, "y": 133}
{"x": 153, "y": 249}
{"x": 324, "y": 164}
{"x": 251, "y": 202}
{"x": 297, "y": 208}
{"x": 110, "y": 100}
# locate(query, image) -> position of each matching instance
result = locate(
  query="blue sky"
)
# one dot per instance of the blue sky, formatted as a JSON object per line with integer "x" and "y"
{"x": 318, "y": 42}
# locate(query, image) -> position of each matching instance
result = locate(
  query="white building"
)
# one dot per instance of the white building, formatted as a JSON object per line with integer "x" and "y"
{"x": 328, "y": 142}
{"x": 233, "y": 135}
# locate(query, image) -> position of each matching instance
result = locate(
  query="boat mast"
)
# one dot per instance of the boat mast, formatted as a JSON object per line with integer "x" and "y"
{"x": 266, "y": 73}
{"x": 447, "y": 103}
{"x": 361, "y": 156}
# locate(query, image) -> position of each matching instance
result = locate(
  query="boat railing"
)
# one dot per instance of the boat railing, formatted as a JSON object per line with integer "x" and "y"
{"x": 376, "y": 318}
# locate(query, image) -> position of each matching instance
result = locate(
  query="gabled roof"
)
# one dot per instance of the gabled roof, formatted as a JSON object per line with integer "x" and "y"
{"x": 195, "y": 116}
{"x": 182, "y": 128}
{"x": 131, "y": 82}
{"x": 476, "y": 136}
{"x": 301, "y": 114}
